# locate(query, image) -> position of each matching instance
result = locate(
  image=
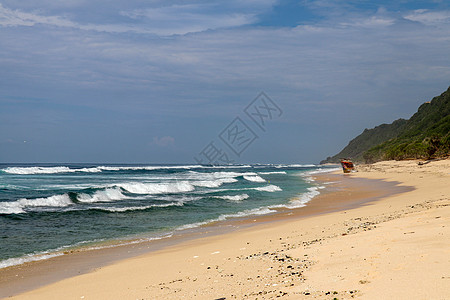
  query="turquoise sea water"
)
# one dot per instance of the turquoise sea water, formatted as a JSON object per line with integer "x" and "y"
{"x": 45, "y": 209}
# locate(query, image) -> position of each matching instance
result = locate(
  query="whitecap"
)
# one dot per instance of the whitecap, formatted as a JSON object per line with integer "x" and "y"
{"x": 17, "y": 207}
{"x": 147, "y": 168}
{"x": 135, "y": 208}
{"x": 273, "y": 172}
{"x": 47, "y": 170}
{"x": 7, "y": 208}
{"x": 213, "y": 183}
{"x": 320, "y": 170}
{"x": 65, "y": 169}
{"x": 279, "y": 166}
{"x": 254, "y": 178}
{"x": 111, "y": 194}
{"x": 35, "y": 170}
{"x": 207, "y": 183}
{"x": 235, "y": 198}
{"x": 269, "y": 188}
{"x": 157, "y": 188}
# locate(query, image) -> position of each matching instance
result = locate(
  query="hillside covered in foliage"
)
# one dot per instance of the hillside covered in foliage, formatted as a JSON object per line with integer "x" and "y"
{"x": 425, "y": 135}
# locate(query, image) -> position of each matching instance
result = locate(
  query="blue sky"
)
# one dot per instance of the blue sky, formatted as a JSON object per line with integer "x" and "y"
{"x": 156, "y": 81}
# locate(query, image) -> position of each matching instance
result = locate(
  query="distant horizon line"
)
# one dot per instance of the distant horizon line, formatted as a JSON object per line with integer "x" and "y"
{"x": 161, "y": 164}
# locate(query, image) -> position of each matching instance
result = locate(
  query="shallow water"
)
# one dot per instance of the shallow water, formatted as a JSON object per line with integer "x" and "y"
{"x": 45, "y": 209}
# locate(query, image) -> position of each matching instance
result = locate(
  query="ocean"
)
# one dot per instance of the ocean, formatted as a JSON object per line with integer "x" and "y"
{"x": 47, "y": 209}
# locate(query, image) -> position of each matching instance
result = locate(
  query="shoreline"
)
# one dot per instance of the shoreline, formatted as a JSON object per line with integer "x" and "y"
{"x": 277, "y": 224}
{"x": 28, "y": 276}
{"x": 184, "y": 229}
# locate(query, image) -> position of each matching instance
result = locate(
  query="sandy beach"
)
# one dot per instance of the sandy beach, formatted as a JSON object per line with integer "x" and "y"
{"x": 349, "y": 242}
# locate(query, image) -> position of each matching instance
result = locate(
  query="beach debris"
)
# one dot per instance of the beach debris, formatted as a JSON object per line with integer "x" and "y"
{"x": 347, "y": 165}
{"x": 421, "y": 163}
{"x": 362, "y": 281}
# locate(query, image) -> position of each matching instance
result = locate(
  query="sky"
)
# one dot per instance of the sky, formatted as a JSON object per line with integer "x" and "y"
{"x": 257, "y": 81}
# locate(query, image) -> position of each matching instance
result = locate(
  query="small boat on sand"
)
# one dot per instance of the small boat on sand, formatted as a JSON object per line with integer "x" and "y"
{"x": 347, "y": 165}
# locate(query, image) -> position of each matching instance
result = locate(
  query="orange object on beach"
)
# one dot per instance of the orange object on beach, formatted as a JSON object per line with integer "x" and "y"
{"x": 347, "y": 165}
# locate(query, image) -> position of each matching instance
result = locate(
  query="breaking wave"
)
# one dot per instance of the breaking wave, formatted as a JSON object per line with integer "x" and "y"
{"x": 294, "y": 166}
{"x": 269, "y": 188}
{"x": 213, "y": 183}
{"x": 135, "y": 208}
{"x": 156, "y": 188}
{"x": 273, "y": 172}
{"x": 325, "y": 170}
{"x": 97, "y": 169}
{"x": 254, "y": 178}
{"x": 141, "y": 199}
{"x": 48, "y": 170}
{"x": 236, "y": 198}
{"x": 102, "y": 196}
{"x": 17, "y": 207}
{"x": 302, "y": 199}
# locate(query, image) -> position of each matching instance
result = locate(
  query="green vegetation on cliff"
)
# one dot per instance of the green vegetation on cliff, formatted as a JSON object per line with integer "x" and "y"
{"x": 425, "y": 135}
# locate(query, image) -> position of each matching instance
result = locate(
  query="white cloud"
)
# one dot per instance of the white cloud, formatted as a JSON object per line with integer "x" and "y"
{"x": 9, "y": 17}
{"x": 321, "y": 57}
{"x": 326, "y": 60}
{"x": 162, "y": 20}
{"x": 186, "y": 18}
{"x": 316, "y": 73}
{"x": 428, "y": 17}
{"x": 12, "y": 18}
{"x": 372, "y": 21}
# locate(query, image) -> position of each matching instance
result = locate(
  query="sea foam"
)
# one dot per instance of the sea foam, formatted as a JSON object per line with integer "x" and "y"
{"x": 245, "y": 213}
{"x": 213, "y": 183}
{"x": 17, "y": 207}
{"x": 134, "y": 208}
{"x": 254, "y": 178}
{"x": 269, "y": 188}
{"x": 27, "y": 258}
{"x": 47, "y": 170}
{"x": 157, "y": 188}
{"x": 272, "y": 172}
{"x": 304, "y": 198}
{"x": 111, "y": 194}
{"x": 65, "y": 169}
{"x": 236, "y": 198}
{"x": 142, "y": 194}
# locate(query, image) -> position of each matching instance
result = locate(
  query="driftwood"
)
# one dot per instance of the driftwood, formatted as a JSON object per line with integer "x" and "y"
{"x": 421, "y": 163}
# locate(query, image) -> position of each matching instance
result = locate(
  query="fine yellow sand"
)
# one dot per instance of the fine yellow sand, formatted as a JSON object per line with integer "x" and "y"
{"x": 395, "y": 248}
